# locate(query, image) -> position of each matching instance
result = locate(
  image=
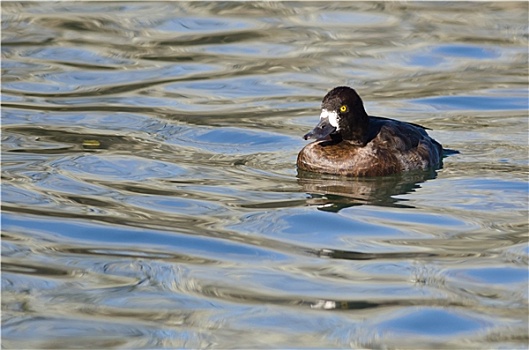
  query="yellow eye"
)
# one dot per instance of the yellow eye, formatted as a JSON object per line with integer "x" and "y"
{"x": 343, "y": 109}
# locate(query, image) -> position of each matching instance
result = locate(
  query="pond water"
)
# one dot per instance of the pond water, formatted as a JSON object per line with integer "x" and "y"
{"x": 150, "y": 196}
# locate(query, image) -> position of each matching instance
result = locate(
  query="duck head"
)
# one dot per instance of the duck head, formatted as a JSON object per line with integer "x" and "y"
{"x": 342, "y": 117}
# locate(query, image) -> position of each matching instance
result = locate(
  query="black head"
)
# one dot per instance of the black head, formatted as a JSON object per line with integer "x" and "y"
{"x": 342, "y": 116}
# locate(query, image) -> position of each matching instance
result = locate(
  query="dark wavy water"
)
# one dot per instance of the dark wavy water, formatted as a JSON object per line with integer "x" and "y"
{"x": 150, "y": 197}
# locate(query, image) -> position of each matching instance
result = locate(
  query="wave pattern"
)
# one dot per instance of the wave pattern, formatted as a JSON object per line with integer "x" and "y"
{"x": 150, "y": 196}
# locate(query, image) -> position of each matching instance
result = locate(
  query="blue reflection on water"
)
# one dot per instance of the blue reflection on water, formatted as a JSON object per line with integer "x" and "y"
{"x": 121, "y": 238}
{"x": 432, "y": 322}
{"x": 476, "y": 102}
{"x": 472, "y": 51}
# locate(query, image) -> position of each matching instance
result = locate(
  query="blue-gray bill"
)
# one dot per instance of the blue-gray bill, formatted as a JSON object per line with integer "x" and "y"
{"x": 321, "y": 131}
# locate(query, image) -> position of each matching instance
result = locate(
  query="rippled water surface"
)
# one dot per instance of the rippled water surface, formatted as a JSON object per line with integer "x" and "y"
{"x": 150, "y": 196}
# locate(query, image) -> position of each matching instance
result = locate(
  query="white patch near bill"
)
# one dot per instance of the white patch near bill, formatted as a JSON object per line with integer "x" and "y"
{"x": 331, "y": 116}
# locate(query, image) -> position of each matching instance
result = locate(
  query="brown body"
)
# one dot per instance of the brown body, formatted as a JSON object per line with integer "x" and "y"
{"x": 390, "y": 147}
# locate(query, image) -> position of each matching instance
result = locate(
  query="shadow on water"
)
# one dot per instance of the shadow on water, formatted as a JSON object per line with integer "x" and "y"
{"x": 333, "y": 193}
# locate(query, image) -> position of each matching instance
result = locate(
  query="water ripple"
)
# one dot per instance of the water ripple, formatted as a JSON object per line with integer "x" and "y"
{"x": 150, "y": 197}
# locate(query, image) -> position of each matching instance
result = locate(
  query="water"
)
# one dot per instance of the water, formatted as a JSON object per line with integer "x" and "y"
{"x": 151, "y": 199}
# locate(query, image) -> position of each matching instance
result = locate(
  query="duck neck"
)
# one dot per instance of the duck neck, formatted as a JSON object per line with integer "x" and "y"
{"x": 357, "y": 133}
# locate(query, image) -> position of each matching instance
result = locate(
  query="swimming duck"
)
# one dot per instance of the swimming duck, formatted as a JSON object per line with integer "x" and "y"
{"x": 349, "y": 142}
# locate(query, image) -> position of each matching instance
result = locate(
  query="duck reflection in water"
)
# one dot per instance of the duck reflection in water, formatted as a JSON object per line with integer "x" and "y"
{"x": 333, "y": 193}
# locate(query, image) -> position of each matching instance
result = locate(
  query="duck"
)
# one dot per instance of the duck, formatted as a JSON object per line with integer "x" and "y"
{"x": 349, "y": 142}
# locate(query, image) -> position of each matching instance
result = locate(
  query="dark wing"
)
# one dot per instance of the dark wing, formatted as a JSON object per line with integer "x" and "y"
{"x": 399, "y": 135}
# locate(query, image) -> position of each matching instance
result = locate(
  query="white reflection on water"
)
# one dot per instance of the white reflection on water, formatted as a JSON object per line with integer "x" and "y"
{"x": 150, "y": 195}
